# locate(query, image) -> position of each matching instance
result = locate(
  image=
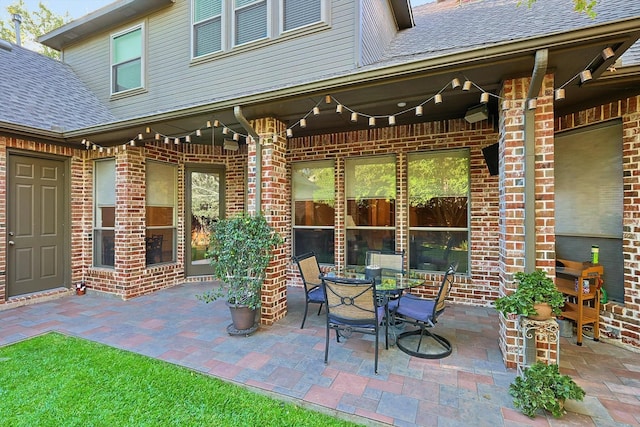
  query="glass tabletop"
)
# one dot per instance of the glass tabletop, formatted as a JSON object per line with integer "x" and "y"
{"x": 385, "y": 282}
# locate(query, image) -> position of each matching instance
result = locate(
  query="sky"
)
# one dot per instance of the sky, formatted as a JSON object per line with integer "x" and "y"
{"x": 78, "y": 8}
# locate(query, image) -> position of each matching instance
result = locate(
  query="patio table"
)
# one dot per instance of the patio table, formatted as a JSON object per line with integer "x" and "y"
{"x": 387, "y": 287}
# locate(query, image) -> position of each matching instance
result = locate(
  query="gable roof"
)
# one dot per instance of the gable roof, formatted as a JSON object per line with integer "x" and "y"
{"x": 43, "y": 93}
{"x": 454, "y": 26}
{"x": 46, "y": 94}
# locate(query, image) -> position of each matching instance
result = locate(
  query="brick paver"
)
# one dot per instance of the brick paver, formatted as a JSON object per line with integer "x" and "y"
{"x": 468, "y": 388}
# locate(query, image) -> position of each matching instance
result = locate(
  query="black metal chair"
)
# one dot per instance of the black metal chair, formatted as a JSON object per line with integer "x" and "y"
{"x": 424, "y": 314}
{"x": 310, "y": 274}
{"x": 353, "y": 306}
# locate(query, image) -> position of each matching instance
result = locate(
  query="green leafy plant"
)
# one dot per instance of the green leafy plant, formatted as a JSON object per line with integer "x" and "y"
{"x": 240, "y": 252}
{"x": 542, "y": 386}
{"x": 533, "y": 288}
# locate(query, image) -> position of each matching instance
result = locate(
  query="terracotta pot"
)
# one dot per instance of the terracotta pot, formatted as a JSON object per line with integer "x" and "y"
{"x": 243, "y": 317}
{"x": 544, "y": 312}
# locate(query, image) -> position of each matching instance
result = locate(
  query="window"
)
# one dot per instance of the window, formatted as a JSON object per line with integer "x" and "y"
{"x": 127, "y": 67}
{"x": 207, "y": 26}
{"x": 371, "y": 206}
{"x": 250, "y": 20}
{"x": 219, "y": 24}
{"x": 160, "y": 236}
{"x": 104, "y": 213}
{"x": 438, "y": 192}
{"x": 314, "y": 209}
{"x": 589, "y": 196}
{"x": 298, "y": 13}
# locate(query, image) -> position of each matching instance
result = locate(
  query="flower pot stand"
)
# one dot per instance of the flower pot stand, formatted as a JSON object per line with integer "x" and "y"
{"x": 537, "y": 340}
{"x": 231, "y": 330}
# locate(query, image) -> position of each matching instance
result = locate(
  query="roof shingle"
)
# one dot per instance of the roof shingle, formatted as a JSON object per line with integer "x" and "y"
{"x": 44, "y": 93}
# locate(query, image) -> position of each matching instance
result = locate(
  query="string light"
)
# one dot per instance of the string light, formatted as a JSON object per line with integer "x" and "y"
{"x": 585, "y": 76}
{"x": 559, "y": 94}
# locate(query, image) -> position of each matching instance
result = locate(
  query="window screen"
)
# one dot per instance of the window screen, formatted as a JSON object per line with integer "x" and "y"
{"x": 589, "y": 199}
{"x": 298, "y": 13}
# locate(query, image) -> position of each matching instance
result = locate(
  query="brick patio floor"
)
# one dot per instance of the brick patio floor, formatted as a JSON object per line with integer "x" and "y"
{"x": 468, "y": 388}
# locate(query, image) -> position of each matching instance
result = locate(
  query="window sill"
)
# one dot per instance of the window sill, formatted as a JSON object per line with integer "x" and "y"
{"x": 258, "y": 44}
{"x": 127, "y": 93}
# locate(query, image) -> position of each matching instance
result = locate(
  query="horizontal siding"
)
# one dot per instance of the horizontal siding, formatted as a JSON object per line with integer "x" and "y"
{"x": 378, "y": 29}
{"x": 173, "y": 82}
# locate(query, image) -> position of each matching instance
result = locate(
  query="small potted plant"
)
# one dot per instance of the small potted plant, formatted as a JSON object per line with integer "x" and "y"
{"x": 535, "y": 293}
{"x": 542, "y": 386}
{"x": 240, "y": 252}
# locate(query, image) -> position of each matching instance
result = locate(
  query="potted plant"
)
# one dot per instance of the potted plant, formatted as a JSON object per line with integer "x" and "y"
{"x": 240, "y": 251}
{"x": 533, "y": 290}
{"x": 542, "y": 386}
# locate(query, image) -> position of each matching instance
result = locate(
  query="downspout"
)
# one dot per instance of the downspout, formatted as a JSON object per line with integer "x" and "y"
{"x": 237, "y": 111}
{"x": 539, "y": 70}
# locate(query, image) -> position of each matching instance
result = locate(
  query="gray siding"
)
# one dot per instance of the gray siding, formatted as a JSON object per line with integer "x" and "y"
{"x": 378, "y": 29}
{"x": 173, "y": 81}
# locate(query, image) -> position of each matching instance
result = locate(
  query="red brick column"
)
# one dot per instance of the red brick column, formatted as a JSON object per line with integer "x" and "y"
{"x": 276, "y": 194}
{"x": 512, "y": 195}
{"x": 630, "y": 326}
{"x": 130, "y": 249}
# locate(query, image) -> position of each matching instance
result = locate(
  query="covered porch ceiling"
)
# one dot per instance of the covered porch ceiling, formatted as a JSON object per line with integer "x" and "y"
{"x": 379, "y": 91}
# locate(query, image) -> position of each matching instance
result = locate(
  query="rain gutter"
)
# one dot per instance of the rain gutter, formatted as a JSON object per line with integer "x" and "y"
{"x": 537, "y": 76}
{"x": 237, "y": 112}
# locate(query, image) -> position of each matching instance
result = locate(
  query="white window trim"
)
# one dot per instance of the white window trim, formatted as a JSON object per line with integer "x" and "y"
{"x": 324, "y": 17}
{"x": 143, "y": 60}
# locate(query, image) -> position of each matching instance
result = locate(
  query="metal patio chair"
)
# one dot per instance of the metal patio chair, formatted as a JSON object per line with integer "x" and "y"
{"x": 424, "y": 314}
{"x": 310, "y": 274}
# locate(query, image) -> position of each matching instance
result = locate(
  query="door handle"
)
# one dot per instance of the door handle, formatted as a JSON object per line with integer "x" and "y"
{"x": 11, "y": 243}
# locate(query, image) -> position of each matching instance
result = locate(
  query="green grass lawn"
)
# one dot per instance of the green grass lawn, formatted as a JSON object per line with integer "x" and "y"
{"x": 56, "y": 380}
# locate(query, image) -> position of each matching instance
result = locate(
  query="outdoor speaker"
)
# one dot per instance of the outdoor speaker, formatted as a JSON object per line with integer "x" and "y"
{"x": 477, "y": 114}
{"x": 490, "y": 154}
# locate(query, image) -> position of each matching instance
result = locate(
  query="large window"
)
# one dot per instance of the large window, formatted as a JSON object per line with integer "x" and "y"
{"x": 160, "y": 236}
{"x": 371, "y": 206}
{"x": 218, "y": 25}
{"x": 438, "y": 191}
{"x": 314, "y": 209}
{"x": 104, "y": 213}
{"x": 127, "y": 66}
{"x": 589, "y": 196}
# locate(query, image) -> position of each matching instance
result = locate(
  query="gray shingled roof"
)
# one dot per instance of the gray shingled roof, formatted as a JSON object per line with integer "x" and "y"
{"x": 44, "y": 93}
{"x": 451, "y": 26}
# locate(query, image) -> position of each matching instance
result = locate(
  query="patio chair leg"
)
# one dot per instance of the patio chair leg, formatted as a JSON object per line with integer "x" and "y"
{"x": 304, "y": 318}
{"x": 320, "y": 308}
